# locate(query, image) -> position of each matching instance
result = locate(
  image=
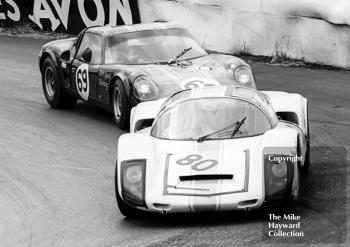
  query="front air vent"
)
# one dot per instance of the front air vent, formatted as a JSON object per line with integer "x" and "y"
{"x": 247, "y": 203}
{"x": 206, "y": 177}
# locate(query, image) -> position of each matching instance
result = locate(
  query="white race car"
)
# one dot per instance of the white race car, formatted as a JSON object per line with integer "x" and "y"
{"x": 213, "y": 149}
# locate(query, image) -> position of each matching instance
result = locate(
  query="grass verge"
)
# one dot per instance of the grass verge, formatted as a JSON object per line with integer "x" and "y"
{"x": 278, "y": 60}
{"x": 29, "y": 30}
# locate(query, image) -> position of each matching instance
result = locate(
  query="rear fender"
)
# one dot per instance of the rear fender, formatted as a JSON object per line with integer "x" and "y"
{"x": 281, "y": 141}
{"x": 54, "y": 49}
{"x": 47, "y": 53}
{"x": 290, "y": 107}
{"x": 133, "y": 147}
{"x": 55, "y": 58}
{"x": 144, "y": 114}
{"x": 283, "y": 138}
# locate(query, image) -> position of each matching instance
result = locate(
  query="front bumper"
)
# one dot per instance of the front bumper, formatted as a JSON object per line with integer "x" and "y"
{"x": 216, "y": 203}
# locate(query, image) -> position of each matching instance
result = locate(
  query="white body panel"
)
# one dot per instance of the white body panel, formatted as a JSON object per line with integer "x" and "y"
{"x": 243, "y": 158}
{"x": 145, "y": 110}
{"x": 289, "y": 102}
{"x": 280, "y": 101}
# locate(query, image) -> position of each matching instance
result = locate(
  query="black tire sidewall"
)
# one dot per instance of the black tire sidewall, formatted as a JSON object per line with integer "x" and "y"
{"x": 293, "y": 199}
{"x": 307, "y": 162}
{"x": 55, "y": 100}
{"x": 296, "y": 198}
{"x": 306, "y": 165}
{"x": 124, "y": 120}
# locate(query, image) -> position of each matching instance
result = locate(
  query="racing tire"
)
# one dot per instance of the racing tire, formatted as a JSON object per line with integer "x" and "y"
{"x": 307, "y": 162}
{"x": 53, "y": 88}
{"x": 295, "y": 193}
{"x": 295, "y": 190}
{"x": 306, "y": 165}
{"x": 293, "y": 198}
{"x": 124, "y": 208}
{"x": 120, "y": 105}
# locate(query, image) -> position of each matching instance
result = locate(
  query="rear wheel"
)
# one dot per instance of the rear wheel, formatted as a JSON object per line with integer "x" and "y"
{"x": 53, "y": 88}
{"x": 124, "y": 208}
{"x": 121, "y": 108}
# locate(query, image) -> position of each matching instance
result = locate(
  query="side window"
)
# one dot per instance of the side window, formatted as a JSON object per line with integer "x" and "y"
{"x": 94, "y": 42}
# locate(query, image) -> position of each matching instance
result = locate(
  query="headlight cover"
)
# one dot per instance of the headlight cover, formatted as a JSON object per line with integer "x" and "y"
{"x": 278, "y": 176}
{"x": 145, "y": 88}
{"x": 133, "y": 182}
{"x": 244, "y": 75}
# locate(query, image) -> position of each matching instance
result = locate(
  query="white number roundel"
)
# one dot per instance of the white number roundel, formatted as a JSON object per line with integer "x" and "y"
{"x": 82, "y": 81}
{"x": 198, "y": 82}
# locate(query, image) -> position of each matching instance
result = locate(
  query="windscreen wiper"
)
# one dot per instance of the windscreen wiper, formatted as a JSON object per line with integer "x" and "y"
{"x": 223, "y": 131}
{"x": 238, "y": 126}
{"x": 183, "y": 52}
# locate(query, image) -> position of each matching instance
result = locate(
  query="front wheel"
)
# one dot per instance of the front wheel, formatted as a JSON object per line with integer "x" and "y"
{"x": 295, "y": 194}
{"x": 53, "y": 88}
{"x": 121, "y": 108}
{"x": 307, "y": 162}
{"x": 306, "y": 165}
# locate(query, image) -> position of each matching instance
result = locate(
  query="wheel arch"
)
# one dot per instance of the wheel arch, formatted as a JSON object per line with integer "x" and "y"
{"x": 47, "y": 54}
{"x": 124, "y": 80}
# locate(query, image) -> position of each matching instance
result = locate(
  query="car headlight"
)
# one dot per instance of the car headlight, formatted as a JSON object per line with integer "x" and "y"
{"x": 133, "y": 182}
{"x": 278, "y": 176}
{"x": 145, "y": 89}
{"x": 244, "y": 75}
{"x": 279, "y": 170}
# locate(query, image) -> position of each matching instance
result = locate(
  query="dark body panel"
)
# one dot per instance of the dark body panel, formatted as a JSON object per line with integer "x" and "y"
{"x": 214, "y": 69}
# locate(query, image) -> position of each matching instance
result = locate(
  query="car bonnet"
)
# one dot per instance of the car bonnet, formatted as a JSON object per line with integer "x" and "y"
{"x": 208, "y": 168}
{"x": 206, "y": 71}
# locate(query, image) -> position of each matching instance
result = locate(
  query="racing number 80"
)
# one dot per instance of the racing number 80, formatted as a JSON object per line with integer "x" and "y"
{"x": 197, "y": 162}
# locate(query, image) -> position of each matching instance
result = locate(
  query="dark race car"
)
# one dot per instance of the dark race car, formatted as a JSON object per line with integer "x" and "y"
{"x": 119, "y": 67}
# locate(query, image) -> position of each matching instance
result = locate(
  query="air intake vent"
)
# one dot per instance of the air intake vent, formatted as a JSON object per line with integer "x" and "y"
{"x": 206, "y": 177}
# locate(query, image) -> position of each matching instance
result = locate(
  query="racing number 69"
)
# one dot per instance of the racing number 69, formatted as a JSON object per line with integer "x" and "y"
{"x": 82, "y": 80}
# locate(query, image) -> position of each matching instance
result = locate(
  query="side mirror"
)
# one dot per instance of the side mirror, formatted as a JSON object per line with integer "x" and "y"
{"x": 65, "y": 55}
{"x": 86, "y": 55}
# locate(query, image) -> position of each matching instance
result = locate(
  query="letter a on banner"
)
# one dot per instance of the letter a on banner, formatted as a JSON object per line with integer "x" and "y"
{"x": 62, "y": 11}
{"x": 45, "y": 13}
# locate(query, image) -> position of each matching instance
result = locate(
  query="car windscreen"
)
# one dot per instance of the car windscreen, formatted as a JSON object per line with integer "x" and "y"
{"x": 195, "y": 118}
{"x": 151, "y": 46}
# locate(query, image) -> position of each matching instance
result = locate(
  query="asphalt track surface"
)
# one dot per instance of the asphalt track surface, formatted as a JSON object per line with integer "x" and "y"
{"x": 57, "y": 168}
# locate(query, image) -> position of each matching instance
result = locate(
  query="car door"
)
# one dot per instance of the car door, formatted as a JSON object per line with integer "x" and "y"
{"x": 85, "y": 66}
